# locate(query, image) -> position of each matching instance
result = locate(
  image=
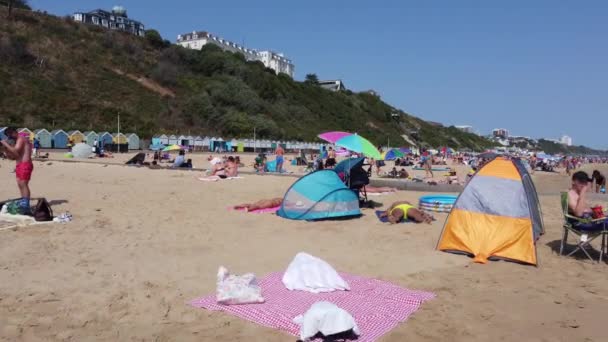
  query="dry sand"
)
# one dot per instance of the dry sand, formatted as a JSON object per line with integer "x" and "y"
{"x": 144, "y": 242}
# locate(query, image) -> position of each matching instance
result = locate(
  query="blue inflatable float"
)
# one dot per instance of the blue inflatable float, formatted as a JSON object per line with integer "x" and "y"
{"x": 437, "y": 203}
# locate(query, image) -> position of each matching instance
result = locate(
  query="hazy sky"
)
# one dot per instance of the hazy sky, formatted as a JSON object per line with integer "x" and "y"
{"x": 538, "y": 68}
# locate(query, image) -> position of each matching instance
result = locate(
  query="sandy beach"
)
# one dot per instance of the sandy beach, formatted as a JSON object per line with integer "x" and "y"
{"x": 145, "y": 242}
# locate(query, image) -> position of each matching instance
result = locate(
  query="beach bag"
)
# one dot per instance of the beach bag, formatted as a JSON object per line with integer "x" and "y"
{"x": 233, "y": 289}
{"x": 42, "y": 211}
{"x": 597, "y": 212}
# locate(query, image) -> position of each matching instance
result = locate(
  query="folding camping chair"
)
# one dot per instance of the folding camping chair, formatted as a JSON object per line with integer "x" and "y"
{"x": 356, "y": 181}
{"x": 586, "y": 231}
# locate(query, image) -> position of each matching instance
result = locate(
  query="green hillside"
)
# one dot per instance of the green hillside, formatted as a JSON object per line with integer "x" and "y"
{"x": 552, "y": 147}
{"x": 56, "y": 73}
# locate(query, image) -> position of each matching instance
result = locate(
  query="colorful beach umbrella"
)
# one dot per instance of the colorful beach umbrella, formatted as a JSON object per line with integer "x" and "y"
{"x": 334, "y": 136}
{"x": 392, "y": 154}
{"x": 172, "y": 148}
{"x": 359, "y": 144}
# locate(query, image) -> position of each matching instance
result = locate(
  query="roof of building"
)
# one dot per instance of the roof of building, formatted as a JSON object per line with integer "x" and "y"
{"x": 55, "y": 131}
{"x": 40, "y": 130}
{"x": 74, "y": 132}
{"x": 89, "y": 133}
{"x": 104, "y": 13}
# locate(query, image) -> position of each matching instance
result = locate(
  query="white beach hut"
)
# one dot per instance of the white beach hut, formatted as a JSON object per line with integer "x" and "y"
{"x": 164, "y": 139}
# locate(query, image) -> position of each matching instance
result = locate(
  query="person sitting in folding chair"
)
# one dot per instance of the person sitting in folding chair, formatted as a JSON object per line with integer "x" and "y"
{"x": 579, "y": 216}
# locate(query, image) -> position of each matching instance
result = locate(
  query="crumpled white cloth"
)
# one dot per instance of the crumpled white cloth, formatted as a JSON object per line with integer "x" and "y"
{"x": 326, "y": 318}
{"x": 311, "y": 274}
{"x": 233, "y": 289}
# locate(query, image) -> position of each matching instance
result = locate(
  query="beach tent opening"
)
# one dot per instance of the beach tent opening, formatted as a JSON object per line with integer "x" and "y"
{"x": 319, "y": 195}
{"x": 497, "y": 216}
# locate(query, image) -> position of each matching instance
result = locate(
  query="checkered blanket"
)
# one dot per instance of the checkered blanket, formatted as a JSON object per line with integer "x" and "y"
{"x": 377, "y": 306}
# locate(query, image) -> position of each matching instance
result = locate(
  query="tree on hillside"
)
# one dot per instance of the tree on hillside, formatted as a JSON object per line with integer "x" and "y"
{"x": 14, "y": 4}
{"x": 311, "y": 79}
{"x": 155, "y": 39}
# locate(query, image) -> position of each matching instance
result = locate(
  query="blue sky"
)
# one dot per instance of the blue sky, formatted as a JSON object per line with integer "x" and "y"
{"x": 538, "y": 68}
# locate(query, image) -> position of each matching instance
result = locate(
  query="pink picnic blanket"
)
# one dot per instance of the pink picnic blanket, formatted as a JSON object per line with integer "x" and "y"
{"x": 259, "y": 211}
{"x": 377, "y": 306}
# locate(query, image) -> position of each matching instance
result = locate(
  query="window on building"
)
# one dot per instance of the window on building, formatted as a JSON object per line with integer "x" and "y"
{"x": 95, "y": 20}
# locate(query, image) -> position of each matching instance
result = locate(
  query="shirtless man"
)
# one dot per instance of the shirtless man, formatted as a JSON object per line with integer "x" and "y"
{"x": 22, "y": 154}
{"x": 279, "y": 152}
{"x": 577, "y": 196}
{"x": 331, "y": 159}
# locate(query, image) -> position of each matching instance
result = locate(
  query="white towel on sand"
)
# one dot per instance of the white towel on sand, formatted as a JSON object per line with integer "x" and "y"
{"x": 311, "y": 274}
{"x": 326, "y": 318}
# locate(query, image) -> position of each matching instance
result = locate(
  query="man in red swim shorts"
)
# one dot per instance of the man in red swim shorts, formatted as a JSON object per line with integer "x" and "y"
{"x": 21, "y": 152}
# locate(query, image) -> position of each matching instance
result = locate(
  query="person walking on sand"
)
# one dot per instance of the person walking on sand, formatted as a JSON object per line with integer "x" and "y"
{"x": 21, "y": 152}
{"x": 36, "y": 147}
{"x": 280, "y": 153}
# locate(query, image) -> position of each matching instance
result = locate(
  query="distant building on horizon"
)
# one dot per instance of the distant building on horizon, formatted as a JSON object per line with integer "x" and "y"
{"x": 566, "y": 140}
{"x": 270, "y": 59}
{"x": 333, "y": 85}
{"x": 500, "y": 133}
{"x": 465, "y": 128}
{"x": 117, "y": 19}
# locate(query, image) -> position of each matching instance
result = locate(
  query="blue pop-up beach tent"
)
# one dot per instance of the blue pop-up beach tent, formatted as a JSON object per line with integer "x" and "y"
{"x": 319, "y": 195}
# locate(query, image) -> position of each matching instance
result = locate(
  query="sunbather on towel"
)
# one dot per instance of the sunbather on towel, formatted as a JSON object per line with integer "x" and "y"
{"x": 261, "y": 204}
{"x": 374, "y": 189}
{"x": 405, "y": 210}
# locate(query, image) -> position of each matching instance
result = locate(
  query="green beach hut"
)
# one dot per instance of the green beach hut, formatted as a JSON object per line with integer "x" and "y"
{"x": 44, "y": 137}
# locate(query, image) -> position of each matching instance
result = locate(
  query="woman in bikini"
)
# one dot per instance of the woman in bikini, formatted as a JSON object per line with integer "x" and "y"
{"x": 401, "y": 210}
{"x": 261, "y": 204}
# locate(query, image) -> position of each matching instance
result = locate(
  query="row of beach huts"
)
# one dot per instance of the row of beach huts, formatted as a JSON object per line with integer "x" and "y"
{"x": 200, "y": 143}
{"x": 61, "y": 139}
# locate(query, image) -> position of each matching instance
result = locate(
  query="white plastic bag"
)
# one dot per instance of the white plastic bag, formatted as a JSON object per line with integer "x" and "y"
{"x": 311, "y": 274}
{"x": 234, "y": 289}
{"x": 326, "y": 318}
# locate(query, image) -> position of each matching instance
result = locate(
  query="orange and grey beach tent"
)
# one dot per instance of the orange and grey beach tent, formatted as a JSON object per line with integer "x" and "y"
{"x": 497, "y": 216}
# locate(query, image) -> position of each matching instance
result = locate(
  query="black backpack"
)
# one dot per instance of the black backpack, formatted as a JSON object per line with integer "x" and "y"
{"x": 42, "y": 211}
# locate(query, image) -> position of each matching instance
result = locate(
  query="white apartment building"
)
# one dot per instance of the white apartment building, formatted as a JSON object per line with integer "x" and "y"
{"x": 500, "y": 133}
{"x": 466, "y": 128}
{"x": 275, "y": 61}
{"x": 566, "y": 140}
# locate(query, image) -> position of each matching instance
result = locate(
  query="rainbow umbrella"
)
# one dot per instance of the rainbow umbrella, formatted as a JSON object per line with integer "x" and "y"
{"x": 334, "y": 136}
{"x": 392, "y": 154}
{"x": 172, "y": 148}
{"x": 359, "y": 144}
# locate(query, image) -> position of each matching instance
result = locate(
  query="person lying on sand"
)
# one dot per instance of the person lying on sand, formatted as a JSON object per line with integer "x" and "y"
{"x": 230, "y": 169}
{"x": 404, "y": 209}
{"x": 373, "y": 189}
{"x": 261, "y": 204}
